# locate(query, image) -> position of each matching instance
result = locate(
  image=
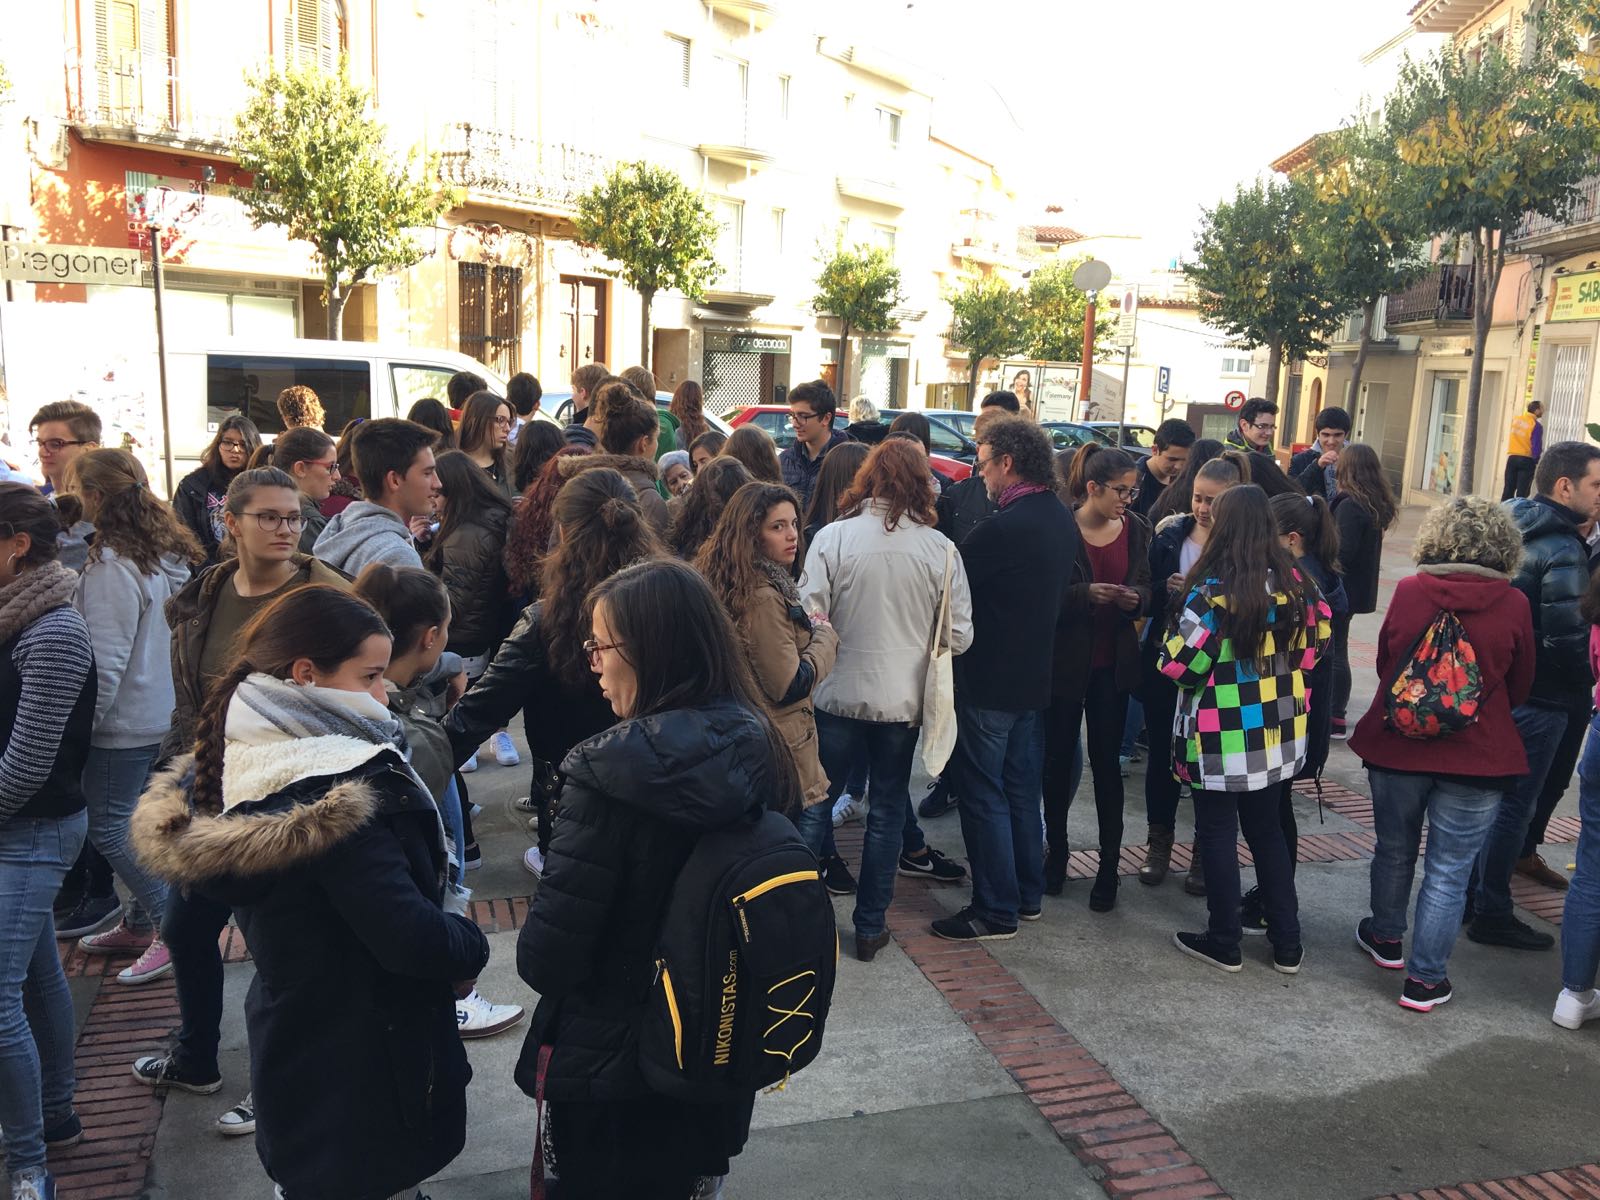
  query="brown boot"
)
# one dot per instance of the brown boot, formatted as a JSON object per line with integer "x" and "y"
{"x": 1535, "y": 868}
{"x": 1195, "y": 884}
{"x": 1157, "y": 855}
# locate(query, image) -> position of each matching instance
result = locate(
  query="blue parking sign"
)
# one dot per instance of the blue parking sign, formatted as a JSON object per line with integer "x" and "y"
{"x": 1164, "y": 380}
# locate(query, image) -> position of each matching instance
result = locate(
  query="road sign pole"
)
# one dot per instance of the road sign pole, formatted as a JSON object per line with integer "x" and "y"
{"x": 156, "y": 278}
{"x": 1122, "y": 409}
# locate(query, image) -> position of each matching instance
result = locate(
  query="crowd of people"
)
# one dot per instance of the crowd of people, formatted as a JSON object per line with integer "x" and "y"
{"x": 261, "y": 703}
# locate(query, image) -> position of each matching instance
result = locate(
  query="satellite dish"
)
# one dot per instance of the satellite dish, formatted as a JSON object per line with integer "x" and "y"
{"x": 1091, "y": 276}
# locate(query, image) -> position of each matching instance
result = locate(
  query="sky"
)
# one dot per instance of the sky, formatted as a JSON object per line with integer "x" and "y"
{"x": 1188, "y": 98}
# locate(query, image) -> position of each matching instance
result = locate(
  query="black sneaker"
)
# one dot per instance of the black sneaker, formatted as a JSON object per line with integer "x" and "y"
{"x": 1286, "y": 960}
{"x": 474, "y": 858}
{"x": 939, "y": 800}
{"x": 1200, "y": 945}
{"x": 1504, "y": 931}
{"x": 932, "y": 865}
{"x": 64, "y": 1134}
{"x": 92, "y": 914}
{"x": 1422, "y": 997}
{"x": 1386, "y": 953}
{"x": 836, "y": 877}
{"x": 163, "y": 1072}
{"x": 968, "y": 926}
{"x": 1252, "y": 913}
{"x": 1338, "y": 730}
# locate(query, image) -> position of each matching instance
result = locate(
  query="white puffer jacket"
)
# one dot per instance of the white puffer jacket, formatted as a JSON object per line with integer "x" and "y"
{"x": 881, "y": 590}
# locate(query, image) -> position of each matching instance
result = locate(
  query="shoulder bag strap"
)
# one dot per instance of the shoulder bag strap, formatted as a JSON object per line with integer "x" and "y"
{"x": 942, "y": 630}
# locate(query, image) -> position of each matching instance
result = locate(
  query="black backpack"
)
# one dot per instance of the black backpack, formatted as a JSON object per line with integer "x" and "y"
{"x": 744, "y": 966}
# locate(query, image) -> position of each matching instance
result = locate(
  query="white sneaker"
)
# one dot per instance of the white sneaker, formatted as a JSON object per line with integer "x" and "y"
{"x": 35, "y": 1184}
{"x": 504, "y": 752}
{"x": 471, "y": 765}
{"x": 475, "y": 810}
{"x": 1572, "y": 1009}
{"x": 533, "y": 862}
{"x": 477, "y": 1018}
{"x": 848, "y": 808}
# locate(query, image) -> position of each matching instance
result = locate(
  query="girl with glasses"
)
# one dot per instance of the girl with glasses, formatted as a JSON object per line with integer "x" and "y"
{"x": 486, "y": 421}
{"x": 201, "y": 493}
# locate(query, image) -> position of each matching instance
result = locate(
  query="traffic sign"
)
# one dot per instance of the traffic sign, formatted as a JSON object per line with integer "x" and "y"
{"x": 1163, "y": 380}
{"x": 1234, "y": 399}
{"x": 1127, "y": 323}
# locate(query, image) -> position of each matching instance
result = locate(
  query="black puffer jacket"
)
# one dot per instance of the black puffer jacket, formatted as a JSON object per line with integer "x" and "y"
{"x": 1166, "y": 550}
{"x": 198, "y": 501}
{"x": 637, "y": 798}
{"x": 336, "y": 879}
{"x": 1360, "y": 551}
{"x": 963, "y": 506}
{"x": 469, "y": 561}
{"x": 1553, "y": 576}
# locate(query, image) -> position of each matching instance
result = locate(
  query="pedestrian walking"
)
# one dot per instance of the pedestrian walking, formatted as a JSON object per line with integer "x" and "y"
{"x": 332, "y": 856}
{"x": 485, "y": 437}
{"x": 1250, "y": 629}
{"x": 1523, "y": 448}
{"x": 1466, "y": 552}
{"x": 1095, "y": 663}
{"x": 692, "y": 752}
{"x": 878, "y": 574}
{"x": 47, "y": 703}
{"x": 201, "y": 493}
{"x": 307, "y": 456}
{"x": 1019, "y": 563}
{"x": 399, "y": 480}
{"x": 1364, "y": 507}
{"x": 1554, "y": 576}
{"x": 754, "y": 447}
{"x": 713, "y": 487}
{"x": 141, "y": 558}
{"x": 811, "y": 411}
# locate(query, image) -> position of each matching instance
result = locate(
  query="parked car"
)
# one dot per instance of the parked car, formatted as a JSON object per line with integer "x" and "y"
{"x": 1068, "y": 435}
{"x": 560, "y": 403}
{"x": 774, "y": 418}
{"x": 1137, "y": 439}
{"x": 947, "y": 437}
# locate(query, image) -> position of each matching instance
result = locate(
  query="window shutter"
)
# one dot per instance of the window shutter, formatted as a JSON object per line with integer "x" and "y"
{"x": 155, "y": 39}
{"x": 328, "y": 47}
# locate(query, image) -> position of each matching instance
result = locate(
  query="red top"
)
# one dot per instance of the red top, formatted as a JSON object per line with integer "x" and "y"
{"x": 1495, "y": 617}
{"x": 1110, "y": 565}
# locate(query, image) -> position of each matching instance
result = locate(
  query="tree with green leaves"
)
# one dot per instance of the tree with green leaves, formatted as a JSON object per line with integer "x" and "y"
{"x": 660, "y": 233}
{"x": 1484, "y": 139}
{"x": 861, "y": 286}
{"x": 988, "y": 318}
{"x": 320, "y": 168}
{"x": 1056, "y": 309}
{"x": 1366, "y": 237}
{"x": 1257, "y": 277}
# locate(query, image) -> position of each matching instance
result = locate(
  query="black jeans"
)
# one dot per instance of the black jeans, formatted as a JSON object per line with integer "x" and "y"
{"x": 1519, "y": 476}
{"x": 1106, "y": 709}
{"x": 190, "y": 928}
{"x": 1341, "y": 664}
{"x": 1218, "y": 819}
{"x": 1555, "y": 783}
{"x": 1161, "y": 789}
{"x": 1287, "y": 822}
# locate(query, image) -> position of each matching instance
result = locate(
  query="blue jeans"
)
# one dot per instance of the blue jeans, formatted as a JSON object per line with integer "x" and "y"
{"x": 450, "y": 816}
{"x": 1580, "y": 919}
{"x": 889, "y": 748}
{"x": 36, "y": 1027}
{"x": 999, "y": 773}
{"x": 113, "y": 780}
{"x": 1459, "y": 817}
{"x": 1541, "y": 730}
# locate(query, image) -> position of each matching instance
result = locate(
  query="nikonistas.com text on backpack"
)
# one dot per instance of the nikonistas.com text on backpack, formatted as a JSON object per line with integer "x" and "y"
{"x": 1438, "y": 688}
{"x": 744, "y": 966}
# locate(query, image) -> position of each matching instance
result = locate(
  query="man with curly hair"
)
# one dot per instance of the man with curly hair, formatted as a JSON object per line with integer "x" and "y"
{"x": 299, "y": 408}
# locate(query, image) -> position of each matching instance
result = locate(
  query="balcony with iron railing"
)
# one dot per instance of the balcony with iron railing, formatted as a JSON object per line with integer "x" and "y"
{"x": 142, "y": 99}
{"x": 1444, "y": 296}
{"x": 524, "y": 172}
{"x": 1577, "y": 230}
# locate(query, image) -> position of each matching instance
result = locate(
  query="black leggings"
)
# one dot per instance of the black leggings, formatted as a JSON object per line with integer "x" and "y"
{"x": 1106, "y": 710}
{"x": 190, "y": 928}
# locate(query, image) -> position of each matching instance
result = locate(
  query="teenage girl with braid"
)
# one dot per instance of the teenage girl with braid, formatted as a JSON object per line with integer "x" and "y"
{"x": 331, "y": 854}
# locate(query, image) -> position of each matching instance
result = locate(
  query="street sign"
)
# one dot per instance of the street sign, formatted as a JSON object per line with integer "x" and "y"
{"x": 1234, "y": 399}
{"x": 1127, "y": 322}
{"x": 1163, "y": 380}
{"x": 44, "y": 262}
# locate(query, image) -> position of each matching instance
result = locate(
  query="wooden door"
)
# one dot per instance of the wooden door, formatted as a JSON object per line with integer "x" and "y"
{"x": 583, "y": 321}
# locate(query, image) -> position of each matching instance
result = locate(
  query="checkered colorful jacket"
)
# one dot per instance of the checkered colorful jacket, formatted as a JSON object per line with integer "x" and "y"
{"x": 1237, "y": 729}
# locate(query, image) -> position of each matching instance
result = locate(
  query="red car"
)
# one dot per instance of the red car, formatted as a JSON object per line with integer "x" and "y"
{"x": 774, "y": 418}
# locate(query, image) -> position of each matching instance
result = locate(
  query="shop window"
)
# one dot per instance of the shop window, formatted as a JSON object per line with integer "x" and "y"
{"x": 491, "y": 315}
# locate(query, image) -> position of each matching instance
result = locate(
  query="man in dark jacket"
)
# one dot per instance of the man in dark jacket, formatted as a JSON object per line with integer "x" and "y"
{"x": 1313, "y": 467}
{"x": 1168, "y": 457}
{"x": 1554, "y": 576}
{"x": 1258, "y": 422}
{"x": 811, "y": 409}
{"x": 1018, "y": 564}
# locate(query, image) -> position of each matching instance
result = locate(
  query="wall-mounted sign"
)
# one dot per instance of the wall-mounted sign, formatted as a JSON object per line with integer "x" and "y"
{"x": 42, "y": 262}
{"x": 1575, "y": 297}
{"x": 747, "y": 343}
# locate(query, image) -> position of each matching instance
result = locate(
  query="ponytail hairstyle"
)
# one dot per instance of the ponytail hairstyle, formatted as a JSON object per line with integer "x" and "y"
{"x": 325, "y": 624}
{"x": 128, "y": 518}
{"x": 1178, "y": 496}
{"x": 411, "y": 601}
{"x": 1245, "y": 557}
{"x": 1312, "y": 519}
{"x": 1095, "y": 463}
{"x": 602, "y": 530}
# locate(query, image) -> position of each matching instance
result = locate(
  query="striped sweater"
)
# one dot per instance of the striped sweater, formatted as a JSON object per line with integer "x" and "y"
{"x": 42, "y": 691}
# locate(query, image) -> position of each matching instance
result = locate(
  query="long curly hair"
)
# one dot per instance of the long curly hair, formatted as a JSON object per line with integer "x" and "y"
{"x": 718, "y": 480}
{"x": 528, "y": 538}
{"x": 1359, "y": 474}
{"x": 602, "y": 530}
{"x": 896, "y": 475}
{"x": 754, "y": 447}
{"x": 688, "y": 405}
{"x": 128, "y": 518}
{"x": 731, "y": 557}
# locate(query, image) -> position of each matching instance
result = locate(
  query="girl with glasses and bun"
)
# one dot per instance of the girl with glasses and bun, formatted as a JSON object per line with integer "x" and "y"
{"x": 299, "y": 811}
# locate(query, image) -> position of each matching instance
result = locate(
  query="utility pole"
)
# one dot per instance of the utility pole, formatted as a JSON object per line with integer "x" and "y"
{"x": 1122, "y": 409}
{"x": 154, "y": 232}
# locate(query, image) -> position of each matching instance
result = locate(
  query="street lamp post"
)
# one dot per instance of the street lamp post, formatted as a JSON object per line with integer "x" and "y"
{"x": 1089, "y": 278}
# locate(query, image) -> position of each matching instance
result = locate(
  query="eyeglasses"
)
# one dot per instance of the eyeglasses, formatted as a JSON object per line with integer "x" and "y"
{"x": 503, "y": 422}
{"x": 270, "y": 522}
{"x": 594, "y": 649}
{"x": 800, "y": 418}
{"x": 1262, "y": 428}
{"x": 56, "y": 445}
{"x": 1126, "y": 494}
{"x": 229, "y": 444}
{"x": 331, "y": 466}
{"x": 981, "y": 463}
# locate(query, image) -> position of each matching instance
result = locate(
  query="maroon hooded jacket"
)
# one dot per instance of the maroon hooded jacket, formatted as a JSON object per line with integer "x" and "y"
{"x": 1496, "y": 619}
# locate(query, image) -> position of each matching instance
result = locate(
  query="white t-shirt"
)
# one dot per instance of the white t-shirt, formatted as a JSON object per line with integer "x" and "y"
{"x": 1188, "y": 555}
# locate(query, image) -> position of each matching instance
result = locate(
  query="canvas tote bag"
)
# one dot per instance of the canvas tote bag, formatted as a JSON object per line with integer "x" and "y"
{"x": 939, "y": 689}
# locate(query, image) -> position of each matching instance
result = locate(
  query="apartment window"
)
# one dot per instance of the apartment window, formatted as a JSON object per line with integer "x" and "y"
{"x": 131, "y": 55}
{"x": 678, "y": 60}
{"x": 783, "y": 97}
{"x": 889, "y": 127}
{"x": 1236, "y": 364}
{"x": 490, "y": 315}
{"x": 313, "y": 33}
{"x": 777, "y": 232}
{"x": 730, "y": 241}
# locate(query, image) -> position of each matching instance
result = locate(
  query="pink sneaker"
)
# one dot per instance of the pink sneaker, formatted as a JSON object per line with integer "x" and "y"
{"x": 119, "y": 939}
{"x": 153, "y": 964}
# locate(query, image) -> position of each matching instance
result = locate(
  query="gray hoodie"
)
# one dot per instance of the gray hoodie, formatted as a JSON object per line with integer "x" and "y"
{"x": 366, "y": 533}
{"x": 132, "y": 651}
